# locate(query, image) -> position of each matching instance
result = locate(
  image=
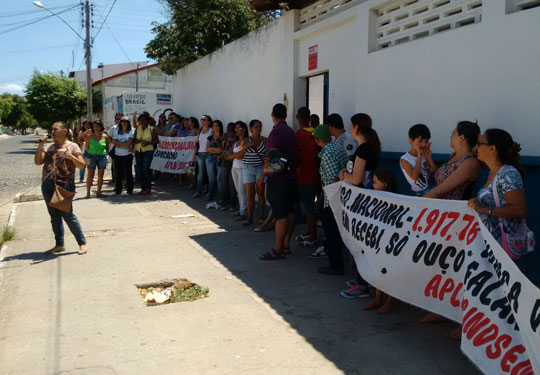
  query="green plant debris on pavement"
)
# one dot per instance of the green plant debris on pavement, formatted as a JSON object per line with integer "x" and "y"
{"x": 8, "y": 233}
{"x": 165, "y": 292}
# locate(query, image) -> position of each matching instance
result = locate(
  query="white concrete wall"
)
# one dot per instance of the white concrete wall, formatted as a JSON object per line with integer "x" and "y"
{"x": 243, "y": 80}
{"x": 486, "y": 72}
{"x": 337, "y": 54}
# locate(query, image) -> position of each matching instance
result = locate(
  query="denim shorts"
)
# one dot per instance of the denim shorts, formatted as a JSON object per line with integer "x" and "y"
{"x": 98, "y": 161}
{"x": 251, "y": 173}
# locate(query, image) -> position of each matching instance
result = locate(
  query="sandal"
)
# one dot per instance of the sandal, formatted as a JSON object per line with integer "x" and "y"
{"x": 272, "y": 255}
{"x": 287, "y": 250}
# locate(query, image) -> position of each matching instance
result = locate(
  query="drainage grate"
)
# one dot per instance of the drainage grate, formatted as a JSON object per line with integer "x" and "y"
{"x": 171, "y": 291}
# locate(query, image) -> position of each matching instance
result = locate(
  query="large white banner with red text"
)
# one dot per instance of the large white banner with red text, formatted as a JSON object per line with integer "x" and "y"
{"x": 438, "y": 255}
{"x": 173, "y": 154}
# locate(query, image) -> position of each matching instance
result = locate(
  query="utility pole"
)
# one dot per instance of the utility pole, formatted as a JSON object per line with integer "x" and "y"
{"x": 87, "y": 44}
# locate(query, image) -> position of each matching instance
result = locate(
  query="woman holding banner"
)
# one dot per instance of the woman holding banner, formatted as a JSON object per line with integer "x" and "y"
{"x": 501, "y": 202}
{"x": 455, "y": 181}
{"x": 359, "y": 172}
{"x": 455, "y": 178}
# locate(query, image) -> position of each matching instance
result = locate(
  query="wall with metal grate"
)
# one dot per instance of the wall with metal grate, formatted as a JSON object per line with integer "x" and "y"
{"x": 403, "y": 21}
{"x": 513, "y": 6}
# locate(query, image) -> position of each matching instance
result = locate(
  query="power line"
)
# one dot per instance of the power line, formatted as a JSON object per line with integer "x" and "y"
{"x": 40, "y": 49}
{"x": 24, "y": 13}
{"x": 35, "y": 21}
{"x": 105, "y": 19}
{"x": 119, "y": 45}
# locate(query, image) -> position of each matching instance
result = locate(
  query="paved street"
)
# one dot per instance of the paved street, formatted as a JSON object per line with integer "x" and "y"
{"x": 18, "y": 172}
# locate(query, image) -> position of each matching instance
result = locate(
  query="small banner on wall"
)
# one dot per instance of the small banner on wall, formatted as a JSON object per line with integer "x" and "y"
{"x": 313, "y": 57}
{"x": 173, "y": 154}
{"x": 437, "y": 255}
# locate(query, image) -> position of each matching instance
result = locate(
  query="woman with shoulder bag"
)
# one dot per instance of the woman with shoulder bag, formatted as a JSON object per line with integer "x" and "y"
{"x": 59, "y": 162}
{"x": 501, "y": 202}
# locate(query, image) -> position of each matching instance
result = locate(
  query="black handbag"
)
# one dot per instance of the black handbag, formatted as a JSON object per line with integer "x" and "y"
{"x": 279, "y": 163}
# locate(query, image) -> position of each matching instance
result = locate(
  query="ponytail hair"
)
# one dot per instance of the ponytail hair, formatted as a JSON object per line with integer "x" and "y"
{"x": 507, "y": 150}
{"x": 363, "y": 124}
{"x": 470, "y": 131}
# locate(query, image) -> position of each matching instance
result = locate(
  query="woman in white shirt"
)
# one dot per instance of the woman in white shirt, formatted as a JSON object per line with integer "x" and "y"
{"x": 202, "y": 160}
{"x": 123, "y": 148}
{"x": 236, "y": 156}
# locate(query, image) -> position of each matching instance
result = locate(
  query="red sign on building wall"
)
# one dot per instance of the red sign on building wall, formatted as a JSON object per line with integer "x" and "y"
{"x": 313, "y": 57}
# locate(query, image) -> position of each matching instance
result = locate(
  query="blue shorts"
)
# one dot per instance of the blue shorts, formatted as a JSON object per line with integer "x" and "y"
{"x": 98, "y": 161}
{"x": 251, "y": 173}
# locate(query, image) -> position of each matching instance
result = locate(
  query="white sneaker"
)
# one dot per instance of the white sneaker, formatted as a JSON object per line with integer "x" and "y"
{"x": 319, "y": 253}
{"x": 213, "y": 205}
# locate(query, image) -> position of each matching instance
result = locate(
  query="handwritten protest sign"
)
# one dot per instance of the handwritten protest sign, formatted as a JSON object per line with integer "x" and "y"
{"x": 438, "y": 255}
{"x": 173, "y": 154}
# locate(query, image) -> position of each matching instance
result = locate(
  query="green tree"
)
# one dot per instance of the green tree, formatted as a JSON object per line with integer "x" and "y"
{"x": 53, "y": 98}
{"x": 199, "y": 27}
{"x": 18, "y": 116}
{"x": 6, "y": 104}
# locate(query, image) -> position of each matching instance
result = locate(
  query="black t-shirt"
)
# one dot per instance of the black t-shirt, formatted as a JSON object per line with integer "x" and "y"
{"x": 365, "y": 151}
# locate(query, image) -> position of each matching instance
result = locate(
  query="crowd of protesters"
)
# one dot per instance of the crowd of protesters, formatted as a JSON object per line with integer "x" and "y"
{"x": 236, "y": 168}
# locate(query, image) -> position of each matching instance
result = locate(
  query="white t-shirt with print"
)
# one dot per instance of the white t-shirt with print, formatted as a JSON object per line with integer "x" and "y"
{"x": 122, "y": 138}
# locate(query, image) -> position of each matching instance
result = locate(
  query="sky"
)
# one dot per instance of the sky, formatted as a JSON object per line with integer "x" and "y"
{"x": 51, "y": 46}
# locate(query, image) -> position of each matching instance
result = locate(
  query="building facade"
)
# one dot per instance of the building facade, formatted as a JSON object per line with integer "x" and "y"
{"x": 401, "y": 61}
{"x": 146, "y": 82}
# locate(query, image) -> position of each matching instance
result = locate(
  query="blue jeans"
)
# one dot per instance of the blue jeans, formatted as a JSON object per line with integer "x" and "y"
{"x": 207, "y": 165}
{"x": 47, "y": 189}
{"x": 142, "y": 168}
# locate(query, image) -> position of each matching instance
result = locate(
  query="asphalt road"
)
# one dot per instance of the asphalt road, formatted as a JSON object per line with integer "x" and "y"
{"x": 17, "y": 170}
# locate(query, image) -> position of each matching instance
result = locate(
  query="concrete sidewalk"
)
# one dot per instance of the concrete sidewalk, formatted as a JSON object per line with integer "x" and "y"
{"x": 83, "y": 314}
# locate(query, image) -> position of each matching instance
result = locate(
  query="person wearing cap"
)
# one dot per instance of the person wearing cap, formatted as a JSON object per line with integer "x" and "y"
{"x": 123, "y": 147}
{"x": 333, "y": 160}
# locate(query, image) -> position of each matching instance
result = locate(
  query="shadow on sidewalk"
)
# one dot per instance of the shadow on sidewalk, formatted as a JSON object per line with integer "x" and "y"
{"x": 355, "y": 340}
{"x": 36, "y": 257}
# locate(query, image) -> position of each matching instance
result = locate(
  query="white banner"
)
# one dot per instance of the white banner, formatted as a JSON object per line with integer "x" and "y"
{"x": 174, "y": 154}
{"x": 437, "y": 254}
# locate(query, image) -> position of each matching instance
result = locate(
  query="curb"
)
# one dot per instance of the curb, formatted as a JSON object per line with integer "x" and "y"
{"x": 22, "y": 198}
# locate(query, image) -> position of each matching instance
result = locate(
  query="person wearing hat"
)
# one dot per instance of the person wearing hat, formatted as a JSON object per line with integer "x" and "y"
{"x": 333, "y": 160}
{"x": 123, "y": 147}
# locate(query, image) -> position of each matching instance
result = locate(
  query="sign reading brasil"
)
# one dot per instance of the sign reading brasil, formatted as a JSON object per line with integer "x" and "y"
{"x": 173, "y": 154}
{"x": 437, "y": 254}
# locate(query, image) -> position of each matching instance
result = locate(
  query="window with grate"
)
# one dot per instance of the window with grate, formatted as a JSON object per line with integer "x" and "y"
{"x": 513, "y": 6}
{"x": 402, "y": 21}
